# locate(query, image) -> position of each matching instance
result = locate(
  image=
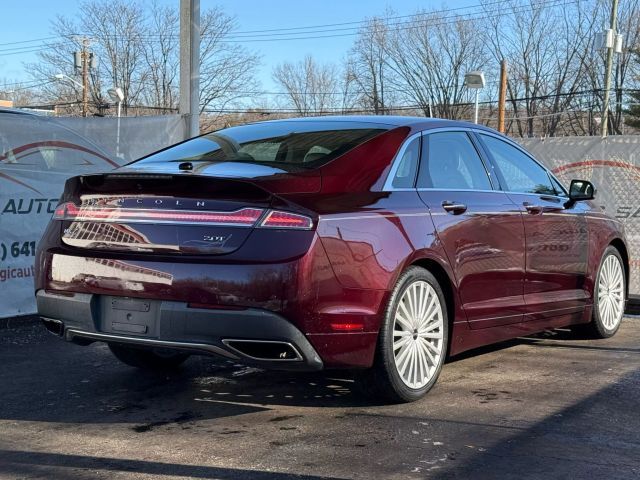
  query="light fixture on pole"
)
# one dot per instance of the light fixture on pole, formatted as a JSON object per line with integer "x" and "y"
{"x": 62, "y": 76}
{"x": 476, "y": 81}
{"x": 117, "y": 95}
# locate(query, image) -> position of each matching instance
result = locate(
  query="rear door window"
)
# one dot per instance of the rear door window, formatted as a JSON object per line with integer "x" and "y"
{"x": 450, "y": 161}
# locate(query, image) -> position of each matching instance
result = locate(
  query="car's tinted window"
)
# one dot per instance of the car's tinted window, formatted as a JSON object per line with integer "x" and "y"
{"x": 303, "y": 144}
{"x": 407, "y": 167}
{"x": 449, "y": 160}
{"x": 519, "y": 172}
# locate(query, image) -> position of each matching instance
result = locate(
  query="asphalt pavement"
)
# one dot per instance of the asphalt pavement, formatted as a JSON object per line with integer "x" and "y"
{"x": 548, "y": 406}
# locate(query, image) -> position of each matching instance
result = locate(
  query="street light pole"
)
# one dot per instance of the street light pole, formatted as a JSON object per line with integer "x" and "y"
{"x": 475, "y": 80}
{"x": 85, "y": 76}
{"x": 117, "y": 95}
{"x": 475, "y": 118}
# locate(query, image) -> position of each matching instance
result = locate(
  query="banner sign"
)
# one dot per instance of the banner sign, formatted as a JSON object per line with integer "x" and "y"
{"x": 37, "y": 155}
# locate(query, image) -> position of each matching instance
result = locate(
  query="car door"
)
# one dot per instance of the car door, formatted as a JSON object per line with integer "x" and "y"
{"x": 556, "y": 232}
{"x": 479, "y": 227}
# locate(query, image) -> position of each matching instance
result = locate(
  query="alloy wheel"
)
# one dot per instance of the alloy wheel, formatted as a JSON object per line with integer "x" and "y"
{"x": 611, "y": 292}
{"x": 418, "y": 334}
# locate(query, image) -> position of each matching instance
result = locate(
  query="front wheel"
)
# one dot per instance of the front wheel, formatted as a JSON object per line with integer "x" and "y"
{"x": 609, "y": 295}
{"x": 412, "y": 343}
{"x": 145, "y": 359}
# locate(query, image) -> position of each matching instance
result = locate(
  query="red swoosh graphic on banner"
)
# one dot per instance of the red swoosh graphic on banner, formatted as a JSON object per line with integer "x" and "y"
{"x": 11, "y": 179}
{"x": 60, "y": 144}
{"x": 598, "y": 163}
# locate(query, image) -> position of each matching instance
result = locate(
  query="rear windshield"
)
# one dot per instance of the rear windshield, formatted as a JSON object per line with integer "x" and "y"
{"x": 307, "y": 144}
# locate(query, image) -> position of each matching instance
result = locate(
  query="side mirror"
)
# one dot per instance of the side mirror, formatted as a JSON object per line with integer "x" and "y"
{"x": 581, "y": 190}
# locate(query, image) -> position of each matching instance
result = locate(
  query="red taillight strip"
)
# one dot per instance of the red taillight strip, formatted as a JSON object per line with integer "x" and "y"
{"x": 245, "y": 217}
{"x": 288, "y": 220}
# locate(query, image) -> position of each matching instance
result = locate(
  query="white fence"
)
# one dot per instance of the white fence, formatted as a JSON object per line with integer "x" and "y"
{"x": 613, "y": 165}
{"x": 37, "y": 155}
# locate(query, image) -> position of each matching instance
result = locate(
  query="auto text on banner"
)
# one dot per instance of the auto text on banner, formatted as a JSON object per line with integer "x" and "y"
{"x": 37, "y": 155}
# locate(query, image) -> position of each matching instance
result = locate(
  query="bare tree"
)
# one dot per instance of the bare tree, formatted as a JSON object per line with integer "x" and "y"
{"x": 17, "y": 92}
{"x": 227, "y": 70}
{"x": 429, "y": 58}
{"x": 368, "y": 66}
{"x": 311, "y": 88}
{"x": 138, "y": 51}
{"x": 161, "y": 58}
{"x": 547, "y": 49}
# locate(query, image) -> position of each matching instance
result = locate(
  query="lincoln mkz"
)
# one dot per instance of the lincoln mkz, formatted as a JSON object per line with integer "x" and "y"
{"x": 378, "y": 244}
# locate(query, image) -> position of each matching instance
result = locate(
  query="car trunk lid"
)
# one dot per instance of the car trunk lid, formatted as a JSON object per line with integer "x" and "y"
{"x": 160, "y": 213}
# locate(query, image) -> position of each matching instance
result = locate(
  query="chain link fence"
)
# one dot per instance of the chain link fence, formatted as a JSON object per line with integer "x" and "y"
{"x": 613, "y": 165}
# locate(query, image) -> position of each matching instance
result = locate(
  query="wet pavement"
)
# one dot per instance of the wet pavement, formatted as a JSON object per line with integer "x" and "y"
{"x": 548, "y": 406}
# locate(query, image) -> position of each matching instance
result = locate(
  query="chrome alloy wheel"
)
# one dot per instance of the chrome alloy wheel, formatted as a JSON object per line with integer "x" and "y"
{"x": 611, "y": 292}
{"x": 418, "y": 334}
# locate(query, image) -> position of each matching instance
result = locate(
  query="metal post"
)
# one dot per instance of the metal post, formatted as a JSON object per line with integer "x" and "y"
{"x": 85, "y": 77}
{"x": 607, "y": 78}
{"x": 190, "y": 65}
{"x": 475, "y": 120}
{"x": 502, "y": 100}
{"x": 118, "y": 134}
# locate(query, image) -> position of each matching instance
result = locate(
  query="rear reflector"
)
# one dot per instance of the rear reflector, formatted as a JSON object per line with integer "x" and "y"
{"x": 278, "y": 219}
{"x": 347, "y": 327}
{"x": 245, "y": 217}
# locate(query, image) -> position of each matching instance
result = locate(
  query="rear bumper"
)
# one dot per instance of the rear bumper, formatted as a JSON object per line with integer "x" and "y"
{"x": 244, "y": 335}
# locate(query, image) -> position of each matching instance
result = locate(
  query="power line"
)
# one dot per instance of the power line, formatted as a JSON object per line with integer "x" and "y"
{"x": 245, "y": 37}
{"x": 361, "y": 22}
{"x": 42, "y": 39}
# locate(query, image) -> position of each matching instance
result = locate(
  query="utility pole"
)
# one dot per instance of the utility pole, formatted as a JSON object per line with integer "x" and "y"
{"x": 85, "y": 76}
{"x": 190, "y": 65}
{"x": 502, "y": 100}
{"x": 83, "y": 60}
{"x": 607, "y": 78}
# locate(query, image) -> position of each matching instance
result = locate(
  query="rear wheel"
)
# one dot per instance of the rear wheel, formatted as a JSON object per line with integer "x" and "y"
{"x": 154, "y": 360}
{"x": 609, "y": 296}
{"x": 412, "y": 343}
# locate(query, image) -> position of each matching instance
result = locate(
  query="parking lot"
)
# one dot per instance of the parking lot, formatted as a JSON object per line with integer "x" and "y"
{"x": 543, "y": 407}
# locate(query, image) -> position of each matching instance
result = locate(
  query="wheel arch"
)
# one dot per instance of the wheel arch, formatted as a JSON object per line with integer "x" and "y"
{"x": 619, "y": 245}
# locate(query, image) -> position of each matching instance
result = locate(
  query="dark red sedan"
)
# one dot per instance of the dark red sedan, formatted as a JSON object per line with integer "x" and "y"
{"x": 383, "y": 244}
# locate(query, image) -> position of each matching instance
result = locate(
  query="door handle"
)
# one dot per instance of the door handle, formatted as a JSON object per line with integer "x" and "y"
{"x": 454, "y": 207}
{"x": 533, "y": 209}
{"x": 538, "y": 209}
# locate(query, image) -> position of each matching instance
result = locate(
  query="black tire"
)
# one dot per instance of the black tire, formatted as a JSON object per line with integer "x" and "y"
{"x": 597, "y": 328}
{"x": 145, "y": 359}
{"x": 383, "y": 379}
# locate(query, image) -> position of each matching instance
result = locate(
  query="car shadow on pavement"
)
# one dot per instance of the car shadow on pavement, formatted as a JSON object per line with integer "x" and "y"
{"x": 573, "y": 442}
{"x": 47, "y": 380}
{"x": 18, "y": 464}
{"x": 62, "y": 383}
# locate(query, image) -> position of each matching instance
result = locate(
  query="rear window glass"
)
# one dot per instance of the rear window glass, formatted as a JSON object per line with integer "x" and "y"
{"x": 304, "y": 144}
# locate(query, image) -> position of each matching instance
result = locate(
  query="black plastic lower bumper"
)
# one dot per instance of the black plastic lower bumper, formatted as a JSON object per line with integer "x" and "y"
{"x": 251, "y": 336}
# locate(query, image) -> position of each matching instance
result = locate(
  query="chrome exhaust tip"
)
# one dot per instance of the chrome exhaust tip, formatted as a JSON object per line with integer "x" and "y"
{"x": 264, "y": 350}
{"x": 54, "y": 326}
